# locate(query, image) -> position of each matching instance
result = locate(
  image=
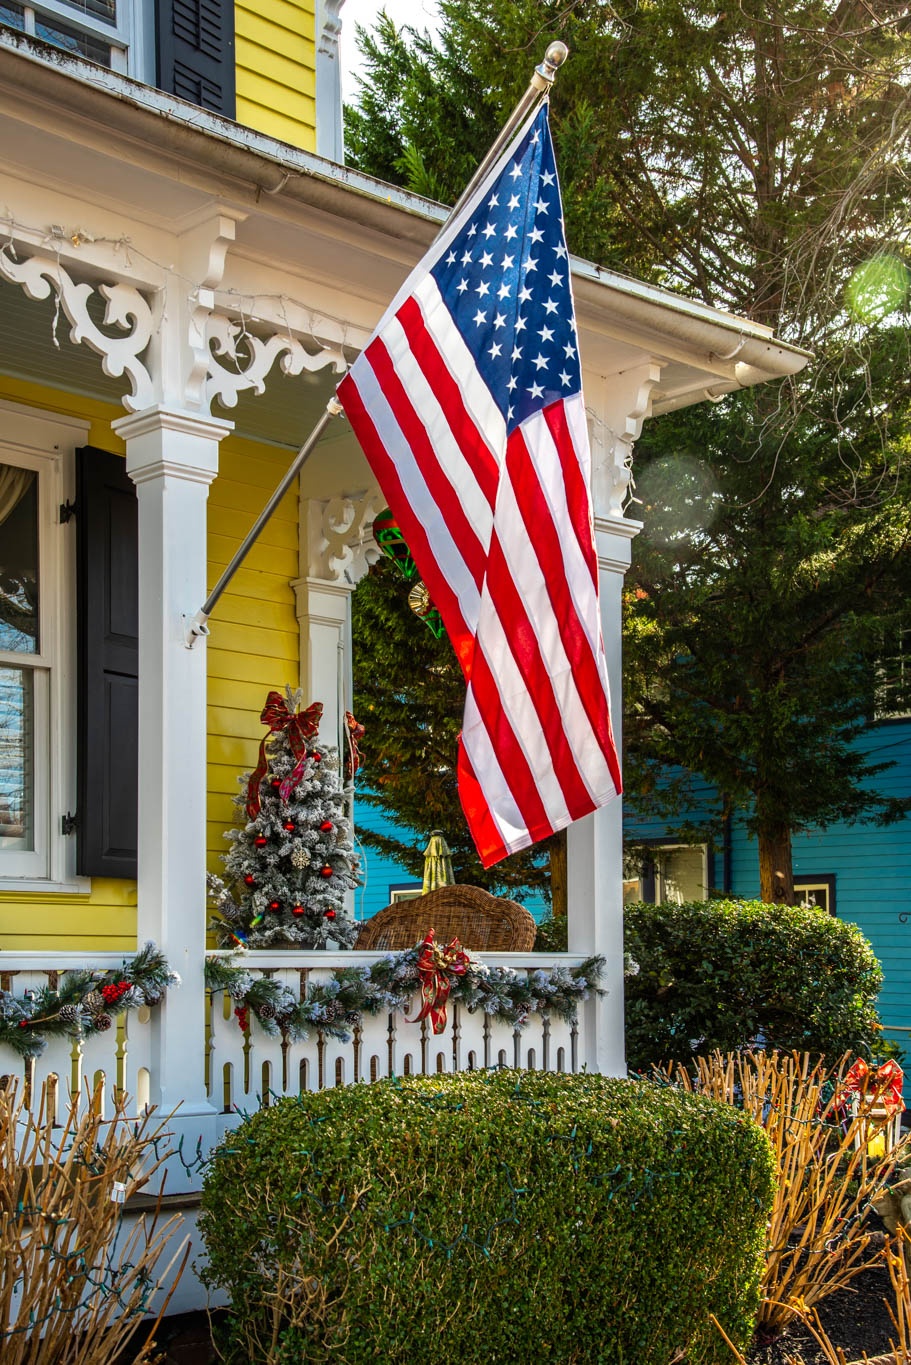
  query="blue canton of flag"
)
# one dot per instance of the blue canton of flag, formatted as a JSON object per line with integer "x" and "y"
{"x": 505, "y": 279}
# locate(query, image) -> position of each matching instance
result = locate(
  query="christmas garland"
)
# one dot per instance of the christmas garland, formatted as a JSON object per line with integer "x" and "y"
{"x": 336, "y": 1006}
{"x": 84, "y": 1002}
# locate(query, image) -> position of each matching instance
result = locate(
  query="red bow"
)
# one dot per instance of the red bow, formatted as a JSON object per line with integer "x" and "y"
{"x": 435, "y": 965}
{"x": 884, "y": 1083}
{"x": 354, "y": 732}
{"x": 300, "y": 726}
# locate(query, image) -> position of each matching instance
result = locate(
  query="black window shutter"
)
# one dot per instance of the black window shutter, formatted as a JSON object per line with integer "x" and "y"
{"x": 196, "y": 52}
{"x": 107, "y": 631}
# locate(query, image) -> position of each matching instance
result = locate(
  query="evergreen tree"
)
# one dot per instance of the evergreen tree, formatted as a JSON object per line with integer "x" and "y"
{"x": 293, "y": 859}
{"x": 750, "y": 155}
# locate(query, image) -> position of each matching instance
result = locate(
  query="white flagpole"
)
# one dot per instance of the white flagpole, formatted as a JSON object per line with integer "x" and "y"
{"x": 538, "y": 87}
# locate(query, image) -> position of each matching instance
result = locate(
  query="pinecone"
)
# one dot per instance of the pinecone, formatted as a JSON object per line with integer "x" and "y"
{"x": 93, "y": 1002}
{"x": 266, "y": 1011}
{"x": 101, "y": 1022}
{"x": 68, "y": 1014}
{"x": 353, "y": 1017}
{"x": 333, "y": 1010}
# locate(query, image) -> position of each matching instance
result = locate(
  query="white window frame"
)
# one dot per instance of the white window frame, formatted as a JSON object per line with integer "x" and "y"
{"x": 47, "y": 442}
{"x": 131, "y": 40}
{"x": 902, "y": 657}
{"x": 654, "y": 852}
{"x": 397, "y": 894}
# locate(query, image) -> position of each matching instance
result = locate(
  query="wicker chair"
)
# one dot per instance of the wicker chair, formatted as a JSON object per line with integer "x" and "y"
{"x": 482, "y": 923}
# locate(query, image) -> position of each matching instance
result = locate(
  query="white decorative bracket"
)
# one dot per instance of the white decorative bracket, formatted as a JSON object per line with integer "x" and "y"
{"x": 203, "y": 255}
{"x": 125, "y": 308}
{"x": 340, "y": 544}
{"x": 239, "y": 360}
{"x": 613, "y": 433}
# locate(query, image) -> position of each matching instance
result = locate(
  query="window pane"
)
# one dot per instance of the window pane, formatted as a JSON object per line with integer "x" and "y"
{"x": 17, "y": 759}
{"x": 682, "y": 875}
{"x": 106, "y": 10}
{"x": 18, "y": 559}
{"x": 61, "y": 35}
{"x": 12, "y": 15}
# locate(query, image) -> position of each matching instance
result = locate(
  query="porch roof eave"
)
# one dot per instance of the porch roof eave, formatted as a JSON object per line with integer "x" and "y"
{"x": 711, "y": 351}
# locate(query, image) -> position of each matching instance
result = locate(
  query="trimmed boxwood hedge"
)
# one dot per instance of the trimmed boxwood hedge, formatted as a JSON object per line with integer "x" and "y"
{"x": 503, "y": 1217}
{"x": 722, "y": 973}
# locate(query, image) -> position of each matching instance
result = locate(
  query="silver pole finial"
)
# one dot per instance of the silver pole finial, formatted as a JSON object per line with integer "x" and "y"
{"x": 554, "y": 58}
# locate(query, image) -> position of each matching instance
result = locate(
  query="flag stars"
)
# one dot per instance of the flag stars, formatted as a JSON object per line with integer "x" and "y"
{"x": 462, "y": 286}
{"x": 486, "y": 260}
{"x": 473, "y": 229}
{"x": 531, "y": 263}
{"x": 503, "y": 291}
{"x": 499, "y": 321}
{"x": 569, "y": 351}
{"x": 490, "y": 231}
{"x": 493, "y": 202}
{"x": 479, "y": 317}
{"x": 546, "y": 334}
{"x": 507, "y": 262}
{"x": 466, "y": 259}
{"x": 516, "y": 170}
{"x": 550, "y": 306}
{"x": 524, "y": 294}
{"x": 535, "y": 236}
{"x": 514, "y": 202}
{"x": 535, "y": 391}
{"x": 511, "y": 232}
{"x": 547, "y": 178}
{"x": 451, "y": 258}
{"x": 565, "y": 379}
{"x": 560, "y": 249}
{"x": 482, "y": 289}
{"x": 540, "y": 205}
{"x": 511, "y": 382}
{"x": 520, "y": 324}
{"x": 555, "y": 278}
{"x": 495, "y": 350}
{"x": 540, "y": 362}
{"x": 516, "y": 354}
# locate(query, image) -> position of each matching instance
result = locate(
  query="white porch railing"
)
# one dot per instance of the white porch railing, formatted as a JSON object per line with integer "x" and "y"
{"x": 246, "y": 1068}
{"x": 121, "y": 1058}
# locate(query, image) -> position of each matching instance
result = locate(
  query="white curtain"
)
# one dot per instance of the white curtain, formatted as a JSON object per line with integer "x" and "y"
{"x": 14, "y": 484}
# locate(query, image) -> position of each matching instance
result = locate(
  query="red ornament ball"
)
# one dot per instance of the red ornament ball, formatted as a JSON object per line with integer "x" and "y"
{"x": 317, "y": 758}
{"x": 290, "y": 826}
{"x": 326, "y": 871}
{"x": 260, "y": 841}
{"x": 249, "y": 880}
{"x": 329, "y": 914}
{"x": 326, "y": 826}
{"x": 275, "y": 905}
{"x": 297, "y": 911}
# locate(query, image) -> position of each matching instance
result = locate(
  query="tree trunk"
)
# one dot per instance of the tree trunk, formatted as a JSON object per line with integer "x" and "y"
{"x": 559, "y": 899}
{"x": 776, "y": 868}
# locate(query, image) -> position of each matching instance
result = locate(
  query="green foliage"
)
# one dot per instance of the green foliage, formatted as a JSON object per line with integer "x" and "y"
{"x": 489, "y": 1217}
{"x": 720, "y": 974}
{"x": 410, "y": 693}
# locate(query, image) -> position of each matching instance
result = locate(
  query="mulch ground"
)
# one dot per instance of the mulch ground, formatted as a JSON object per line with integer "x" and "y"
{"x": 856, "y": 1319}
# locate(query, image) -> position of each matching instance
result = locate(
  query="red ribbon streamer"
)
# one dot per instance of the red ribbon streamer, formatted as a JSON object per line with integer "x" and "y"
{"x": 883, "y": 1082}
{"x": 300, "y": 726}
{"x": 354, "y": 732}
{"x": 435, "y": 966}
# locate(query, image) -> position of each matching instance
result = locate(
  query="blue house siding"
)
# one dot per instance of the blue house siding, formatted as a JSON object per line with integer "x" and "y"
{"x": 871, "y": 866}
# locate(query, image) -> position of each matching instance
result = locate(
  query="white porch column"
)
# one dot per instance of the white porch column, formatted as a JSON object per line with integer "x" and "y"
{"x": 595, "y": 844}
{"x": 172, "y": 457}
{"x": 324, "y": 617}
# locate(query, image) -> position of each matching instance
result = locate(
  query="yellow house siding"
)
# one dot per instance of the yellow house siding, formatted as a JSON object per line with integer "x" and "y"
{"x": 275, "y": 69}
{"x": 254, "y": 642}
{"x": 253, "y": 647}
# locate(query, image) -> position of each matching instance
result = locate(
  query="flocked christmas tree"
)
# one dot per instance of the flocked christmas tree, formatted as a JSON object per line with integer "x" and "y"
{"x": 291, "y": 864}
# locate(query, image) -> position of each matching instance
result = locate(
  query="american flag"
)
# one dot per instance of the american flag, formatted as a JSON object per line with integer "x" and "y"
{"x": 468, "y": 404}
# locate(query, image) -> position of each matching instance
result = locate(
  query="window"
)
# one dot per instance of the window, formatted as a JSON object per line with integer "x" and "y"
{"x": 816, "y": 891}
{"x": 36, "y": 742}
{"x": 404, "y": 892}
{"x": 893, "y": 678}
{"x": 670, "y": 873}
{"x": 87, "y": 28}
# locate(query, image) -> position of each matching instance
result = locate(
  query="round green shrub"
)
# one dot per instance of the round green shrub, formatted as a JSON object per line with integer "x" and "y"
{"x": 720, "y": 974}
{"x": 502, "y": 1217}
